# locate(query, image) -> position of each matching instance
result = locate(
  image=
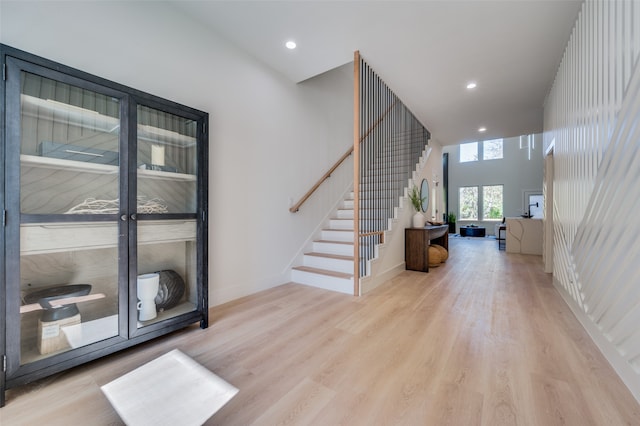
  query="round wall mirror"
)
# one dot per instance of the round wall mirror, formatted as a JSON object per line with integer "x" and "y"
{"x": 424, "y": 194}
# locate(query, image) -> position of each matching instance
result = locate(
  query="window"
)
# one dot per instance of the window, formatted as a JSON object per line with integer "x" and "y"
{"x": 492, "y": 202}
{"x": 468, "y": 203}
{"x": 468, "y": 152}
{"x": 492, "y": 150}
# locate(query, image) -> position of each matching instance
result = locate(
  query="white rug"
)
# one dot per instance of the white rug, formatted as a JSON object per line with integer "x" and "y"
{"x": 170, "y": 390}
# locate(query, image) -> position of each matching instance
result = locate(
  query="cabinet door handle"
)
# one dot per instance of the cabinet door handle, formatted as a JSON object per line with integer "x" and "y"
{"x": 134, "y": 216}
{"x": 123, "y": 217}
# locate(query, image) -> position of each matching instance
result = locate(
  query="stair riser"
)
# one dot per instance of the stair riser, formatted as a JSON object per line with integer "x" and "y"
{"x": 373, "y": 214}
{"x": 341, "y": 224}
{"x": 329, "y": 248}
{"x": 336, "y": 265}
{"x": 337, "y": 236}
{"x": 367, "y": 214}
{"x": 341, "y": 285}
{"x": 345, "y": 214}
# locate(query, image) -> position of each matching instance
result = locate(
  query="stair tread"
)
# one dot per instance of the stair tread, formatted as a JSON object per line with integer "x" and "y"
{"x": 334, "y": 242}
{"x": 329, "y": 255}
{"x": 323, "y": 272}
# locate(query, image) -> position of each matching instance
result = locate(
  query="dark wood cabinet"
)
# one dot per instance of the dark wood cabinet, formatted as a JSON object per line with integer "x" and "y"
{"x": 102, "y": 184}
{"x": 416, "y": 245}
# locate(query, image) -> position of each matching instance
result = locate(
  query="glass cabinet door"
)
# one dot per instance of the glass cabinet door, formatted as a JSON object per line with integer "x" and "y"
{"x": 69, "y": 204}
{"x": 166, "y": 215}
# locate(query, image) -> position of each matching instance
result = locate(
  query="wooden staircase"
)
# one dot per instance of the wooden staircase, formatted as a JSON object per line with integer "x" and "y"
{"x": 329, "y": 264}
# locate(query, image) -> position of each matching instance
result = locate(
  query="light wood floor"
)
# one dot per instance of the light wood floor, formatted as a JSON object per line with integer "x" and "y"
{"x": 482, "y": 340}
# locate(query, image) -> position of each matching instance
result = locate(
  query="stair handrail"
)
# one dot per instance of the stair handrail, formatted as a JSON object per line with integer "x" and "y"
{"x": 294, "y": 208}
{"x": 327, "y": 175}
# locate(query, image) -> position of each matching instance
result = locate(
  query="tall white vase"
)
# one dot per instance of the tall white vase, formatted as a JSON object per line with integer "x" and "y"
{"x": 147, "y": 290}
{"x": 418, "y": 220}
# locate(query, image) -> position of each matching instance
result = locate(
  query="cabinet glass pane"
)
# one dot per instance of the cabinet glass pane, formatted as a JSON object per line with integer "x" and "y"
{"x": 60, "y": 261}
{"x": 69, "y": 148}
{"x": 166, "y": 160}
{"x": 167, "y": 271}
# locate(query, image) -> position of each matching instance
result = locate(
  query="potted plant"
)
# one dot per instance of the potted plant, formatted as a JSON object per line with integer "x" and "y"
{"x": 416, "y": 201}
{"x": 451, "y": 220}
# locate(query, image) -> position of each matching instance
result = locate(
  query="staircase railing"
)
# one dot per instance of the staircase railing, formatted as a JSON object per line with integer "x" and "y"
{"x": 385, "y": 155}
{"x": 294, "y": 208}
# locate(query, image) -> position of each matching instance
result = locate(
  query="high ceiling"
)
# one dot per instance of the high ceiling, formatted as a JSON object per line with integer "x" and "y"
{"x": 426, "y": 51}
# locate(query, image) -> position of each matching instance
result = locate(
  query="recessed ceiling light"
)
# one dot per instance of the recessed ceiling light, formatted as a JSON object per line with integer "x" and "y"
{"x": 290, "y": 44}
{"x": 482, "y": 129}
{"x": 471, "y": 85}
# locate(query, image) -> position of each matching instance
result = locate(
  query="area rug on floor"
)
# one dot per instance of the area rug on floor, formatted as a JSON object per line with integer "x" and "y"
{"x": 170, "y": 390}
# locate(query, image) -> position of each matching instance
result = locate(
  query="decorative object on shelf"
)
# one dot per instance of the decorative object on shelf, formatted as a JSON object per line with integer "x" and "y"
{"x": 62, "y": 302}
{"x": 93, "y": 206}
{"x": 170, "y": 290}
{"x": 55, "y": 316}
{"x": 157, "y": 168}
{"x": 157, "y": 155}
{"x": 147, "y": 289}
{"x": 46, "y": 298}
{"x": 417, "y": 199}
{"x": 153, "y": 205}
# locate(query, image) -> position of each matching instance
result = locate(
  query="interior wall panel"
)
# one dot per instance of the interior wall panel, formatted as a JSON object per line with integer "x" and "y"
{"x": 592, "y": 119}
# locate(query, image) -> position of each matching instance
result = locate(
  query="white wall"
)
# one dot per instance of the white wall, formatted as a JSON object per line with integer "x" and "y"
{"x": 515, "y": 171}
{"x": 270, "y": 139}
{"x": 591, "y": 126}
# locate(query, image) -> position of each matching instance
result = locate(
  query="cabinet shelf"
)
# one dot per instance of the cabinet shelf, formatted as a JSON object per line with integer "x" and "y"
{"x": 81, "y": 166}
{"x": 45, "y": 238}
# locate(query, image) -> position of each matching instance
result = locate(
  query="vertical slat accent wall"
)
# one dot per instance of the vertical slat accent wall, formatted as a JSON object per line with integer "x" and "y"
{"x": 391, "y": 142}
{"x": 592, "y": 126}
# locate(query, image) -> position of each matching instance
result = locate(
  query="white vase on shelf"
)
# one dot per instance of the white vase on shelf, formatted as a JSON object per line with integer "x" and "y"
{"x": 418, "y": 220}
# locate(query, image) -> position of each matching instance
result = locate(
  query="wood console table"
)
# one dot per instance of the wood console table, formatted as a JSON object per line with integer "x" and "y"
{"x": 416, "y": 245}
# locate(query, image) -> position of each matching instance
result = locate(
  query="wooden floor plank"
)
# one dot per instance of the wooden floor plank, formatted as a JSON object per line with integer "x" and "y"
{"x": 483, "y": 339}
